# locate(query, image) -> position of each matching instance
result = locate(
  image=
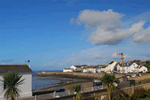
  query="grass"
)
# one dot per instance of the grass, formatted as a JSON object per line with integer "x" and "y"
{"x": 141, "y": 78}
{"x": 146, "y": 98}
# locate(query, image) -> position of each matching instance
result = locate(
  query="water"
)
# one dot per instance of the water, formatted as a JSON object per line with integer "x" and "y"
{"x": 41, "y": 82}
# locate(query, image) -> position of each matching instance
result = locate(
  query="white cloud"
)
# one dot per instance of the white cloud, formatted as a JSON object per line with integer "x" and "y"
{"x": 92, "y": 17}
{"x": 142, "y": 36}
{"x": 109, "y": 28}
{"x": 115, "y": 55}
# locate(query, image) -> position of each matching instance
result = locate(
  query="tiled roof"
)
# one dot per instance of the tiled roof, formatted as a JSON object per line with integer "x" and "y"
{"x": 16, "y": 68}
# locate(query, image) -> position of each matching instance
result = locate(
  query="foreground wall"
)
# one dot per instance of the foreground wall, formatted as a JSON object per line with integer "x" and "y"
{"x": 26, "y": 88}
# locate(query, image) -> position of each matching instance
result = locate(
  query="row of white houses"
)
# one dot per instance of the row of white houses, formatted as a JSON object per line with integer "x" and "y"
{"x": 112, "y": 67}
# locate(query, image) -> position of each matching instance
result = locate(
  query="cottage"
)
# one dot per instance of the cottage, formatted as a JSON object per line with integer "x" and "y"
{"x": 143, "y": 69}
{"x": 126, "y": 68}
{"x": 76, "y": 68}
{"x": 133, "y": 67}
{"x": 26, "y": 73}
{"x": 110, "y": 67}
{"x": 67, "y": 70}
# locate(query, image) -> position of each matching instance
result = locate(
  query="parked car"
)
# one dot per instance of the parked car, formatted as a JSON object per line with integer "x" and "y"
{"x": 59, "y": 92}
{"x": 140, "y": 74}
{"x": 133, "y": 75}
{"x": 128, "y": 76}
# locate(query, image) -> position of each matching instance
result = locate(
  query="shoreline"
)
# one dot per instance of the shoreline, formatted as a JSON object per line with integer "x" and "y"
{"x": 51, "y": 88}
{"x": 76, "y": 75}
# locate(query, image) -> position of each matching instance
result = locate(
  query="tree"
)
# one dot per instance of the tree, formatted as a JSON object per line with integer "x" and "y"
{"x": 11, "y": 81}
{"x": 77, "y": 89}
{"x": 108, "y": 80}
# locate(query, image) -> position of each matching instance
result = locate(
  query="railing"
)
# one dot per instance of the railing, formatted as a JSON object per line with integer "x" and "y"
{"x": 69, "y": 93}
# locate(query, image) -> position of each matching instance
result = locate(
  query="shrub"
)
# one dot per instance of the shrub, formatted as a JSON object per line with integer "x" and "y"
{"x": 135, "y": 97}
{"x": 116, "y": 98}
{"x": 140, "y": 92}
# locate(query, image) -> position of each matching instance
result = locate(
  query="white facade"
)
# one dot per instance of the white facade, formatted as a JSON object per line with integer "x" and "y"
{"x": 126, "y": 69}
{"x": 92, "y": 70}
{"x": 143, "y": 69}
{"x": 67, "y": 70}
{"x": 26, "y": 87}
{"x": 110, "y": 67}
{"x": 74, "y": 68}
{"x": 85, "y": 71}
{"x": 133, "y": 67}
{"x": 98, "y": 69}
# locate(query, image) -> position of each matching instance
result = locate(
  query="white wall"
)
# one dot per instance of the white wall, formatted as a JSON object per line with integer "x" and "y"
{"x": 67, "y": 70}
{"x": 110, "y": 67}
{"x": 143, "y": 69}
{"x": 84, "y": 70}
{"x": 73, "y": 67}
{"x": 133, "y": 66}
{"x": 26, "y": 88}
{"x": 126, "y": 69}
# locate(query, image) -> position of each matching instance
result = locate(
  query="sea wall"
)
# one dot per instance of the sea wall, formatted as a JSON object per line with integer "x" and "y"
{"x": 77, "y": 74}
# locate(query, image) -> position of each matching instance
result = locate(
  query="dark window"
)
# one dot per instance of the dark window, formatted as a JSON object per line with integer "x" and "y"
{"x": 60, "y": 90}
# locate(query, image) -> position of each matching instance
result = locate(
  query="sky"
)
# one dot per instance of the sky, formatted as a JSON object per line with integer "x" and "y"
{"x": 55, "y": 34}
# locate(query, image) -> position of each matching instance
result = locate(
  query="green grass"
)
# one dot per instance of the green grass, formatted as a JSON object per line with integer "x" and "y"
{"x": 146, "y": 98}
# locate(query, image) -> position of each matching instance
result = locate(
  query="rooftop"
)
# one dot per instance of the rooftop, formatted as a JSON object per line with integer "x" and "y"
{"x": 14, "y": 68}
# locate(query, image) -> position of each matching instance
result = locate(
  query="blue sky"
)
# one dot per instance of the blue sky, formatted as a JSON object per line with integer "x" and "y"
{"x": 54, "y": 34}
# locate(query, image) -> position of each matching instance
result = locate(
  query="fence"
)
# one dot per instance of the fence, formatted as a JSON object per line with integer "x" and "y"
{"x": 69, "y": 93}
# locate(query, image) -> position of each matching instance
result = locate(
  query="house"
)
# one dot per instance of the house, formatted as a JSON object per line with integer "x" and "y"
{"x": 143, "y": 69}
{"x": 99, "y": 68}
{"x": 26, "y": 73}
{"x": 126, "y": 68}
{"x": 133, "y": 67}
{"x": 92, "y": 69}
{"x": 76, "y": 68}
{"x": 103, "y": 68}
{"x": 84, "y": 70}
{"x": 67, "y": 70}
{"x": 110, "y": 67}
{"x": 88, "y": 69}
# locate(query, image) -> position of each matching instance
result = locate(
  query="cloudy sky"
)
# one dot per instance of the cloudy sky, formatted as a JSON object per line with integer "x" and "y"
{"x": 54, "y": 34}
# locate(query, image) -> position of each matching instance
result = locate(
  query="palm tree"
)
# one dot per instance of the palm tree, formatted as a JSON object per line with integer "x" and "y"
{"x": 108, "y": 80}
{"x": 77, "y": 89}
{"x": 11, "y": 81}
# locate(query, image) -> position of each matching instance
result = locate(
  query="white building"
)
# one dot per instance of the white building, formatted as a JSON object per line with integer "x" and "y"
{"x": 84, "y": 70}
{"x": 143, "y": 69}
{"x": 110, "y": 67}
{"x": 133, "y": 67}
{"x": 67, "y": 70}
{"x": 77, "y": 67}
{"x": 26, "y": 73}
{"x": 126, "y": 68}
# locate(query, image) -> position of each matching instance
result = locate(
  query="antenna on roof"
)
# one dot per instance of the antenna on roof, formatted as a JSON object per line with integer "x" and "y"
{"x": 28, "y": 62}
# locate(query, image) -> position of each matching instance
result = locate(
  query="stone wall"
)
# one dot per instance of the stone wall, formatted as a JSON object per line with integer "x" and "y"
{"x": 77, "y": 74}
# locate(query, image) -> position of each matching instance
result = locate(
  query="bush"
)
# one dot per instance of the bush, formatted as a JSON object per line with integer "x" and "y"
{"x": 116, "y": 98}
{"x": 135, "y": 97}
{"x": 148, "y": 94}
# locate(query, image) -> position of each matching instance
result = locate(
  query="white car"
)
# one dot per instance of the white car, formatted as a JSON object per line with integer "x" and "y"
{"x": 59, "y": 92}
{"x": 128, "y": 76}
{"x": 133, "y": 75}
{"x": 140, "y": 75}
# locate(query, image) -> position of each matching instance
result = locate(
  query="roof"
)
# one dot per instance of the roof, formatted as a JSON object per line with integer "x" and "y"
{"x": 126, "y": 64}
{"x": 79, "y": 66}
{"x": 111, "y": 62}
{"x": 14, "y": 68}
{"x": 67, "y": 68}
